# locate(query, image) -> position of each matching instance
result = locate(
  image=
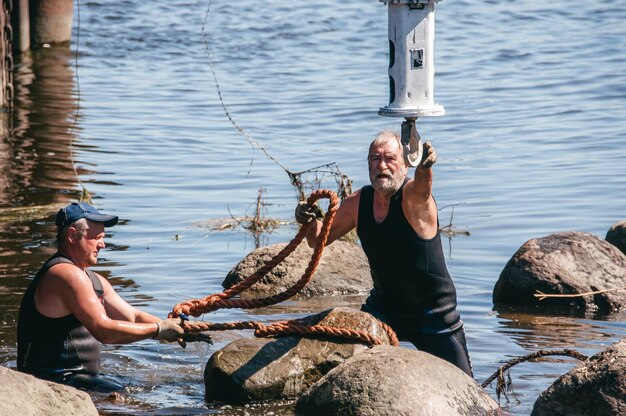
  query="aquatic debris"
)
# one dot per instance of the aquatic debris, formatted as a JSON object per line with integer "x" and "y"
{"x": 503, "y": 387}
{"x": 541, "y": 296}
{"x": 449, "y": 230}
{"x": 256, "y": 224}
{"x": 27, "y": 214}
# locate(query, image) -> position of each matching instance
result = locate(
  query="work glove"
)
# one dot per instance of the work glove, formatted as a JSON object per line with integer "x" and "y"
{"x": 195, "y": 337}
{"x": 170, "y": 330}
{"x": 306, "y": 213}
{"x": 429, "y": 157}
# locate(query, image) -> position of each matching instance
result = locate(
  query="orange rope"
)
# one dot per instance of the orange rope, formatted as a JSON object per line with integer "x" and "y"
{"x": 197, "y": 307}
{"x": 294, "y": 327}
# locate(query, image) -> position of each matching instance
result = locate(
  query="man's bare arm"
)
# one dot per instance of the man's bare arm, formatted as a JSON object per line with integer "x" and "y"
{"x": 118, "y": 308}
{"x": 344, "y": 221}
{"x": 76, "y": 292}
{"x": 419, "y": 205}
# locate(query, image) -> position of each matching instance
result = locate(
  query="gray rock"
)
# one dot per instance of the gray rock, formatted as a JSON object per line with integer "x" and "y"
{"x": 343, "y": 270}
{"x": 23, "y": 394}
{"x": 617, "y": 235}
{"x": 595, "y": 387}
{"x": 564, "y": 263}
{"x": 396, "y": 381}
{"x": 249, "y": 370}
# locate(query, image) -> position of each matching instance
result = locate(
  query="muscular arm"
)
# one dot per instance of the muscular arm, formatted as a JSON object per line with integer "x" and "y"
{"x": 117, "y": 308}
{"x": 117, "y": 323}
{"x": 344, "y": 221}
{"x": 418, "y": 203}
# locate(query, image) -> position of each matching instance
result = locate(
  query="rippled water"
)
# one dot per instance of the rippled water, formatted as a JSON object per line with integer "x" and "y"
{"x": 531, "y": 143}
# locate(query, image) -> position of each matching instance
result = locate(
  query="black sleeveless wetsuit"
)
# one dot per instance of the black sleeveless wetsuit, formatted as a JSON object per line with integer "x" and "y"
{"x": 413, "y": 291}
{"x": 59, "y": 349}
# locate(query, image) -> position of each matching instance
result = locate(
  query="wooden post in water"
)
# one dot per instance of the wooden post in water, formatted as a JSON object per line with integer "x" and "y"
{"x": 51, "y": 22}
{"x": 20, "y": 20}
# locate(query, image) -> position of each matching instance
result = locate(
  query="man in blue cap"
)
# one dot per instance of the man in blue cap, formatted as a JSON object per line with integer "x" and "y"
{"x": 67, "y": 308}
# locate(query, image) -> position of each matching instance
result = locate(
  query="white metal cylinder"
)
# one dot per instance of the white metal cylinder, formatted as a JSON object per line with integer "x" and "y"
{"x": 411, "y": 27}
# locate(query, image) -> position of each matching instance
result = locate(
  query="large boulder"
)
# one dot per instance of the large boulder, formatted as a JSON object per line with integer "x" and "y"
{"x": 343, "y": 270}
{"x": 396, "y": 381}
{"x": 597, "y": 386}
{"x": 23, "y": 394}
{"x": 249, "y": 370}
{"x": 564, "y": 263}
{"x": 617, "y": 235}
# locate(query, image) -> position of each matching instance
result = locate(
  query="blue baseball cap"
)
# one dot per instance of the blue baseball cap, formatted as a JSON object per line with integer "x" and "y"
{"x": 77, "y": 210}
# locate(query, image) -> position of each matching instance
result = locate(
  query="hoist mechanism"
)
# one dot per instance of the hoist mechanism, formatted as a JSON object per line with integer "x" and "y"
{"x": 411, "y": 28}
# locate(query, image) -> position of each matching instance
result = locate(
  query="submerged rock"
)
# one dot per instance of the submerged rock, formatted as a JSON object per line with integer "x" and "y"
{"x": 343, "y": 270}
{"x": 396, "y": 381}
{"x": 595, "y": 387}
{"x": 258, "y": 369}
{"x": 23, "y": 394}
{"x": 617, "y": 235}
{"x": 564, "y": 263}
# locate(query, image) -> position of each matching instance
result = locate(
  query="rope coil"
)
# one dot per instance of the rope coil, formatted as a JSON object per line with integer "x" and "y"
{"x": 210, "y": 303}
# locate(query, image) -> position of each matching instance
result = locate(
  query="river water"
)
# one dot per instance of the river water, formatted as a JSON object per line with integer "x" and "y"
{"x": 532, "y": 143}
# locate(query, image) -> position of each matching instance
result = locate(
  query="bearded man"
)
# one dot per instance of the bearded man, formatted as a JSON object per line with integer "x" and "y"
{"x": 398, "y": 226}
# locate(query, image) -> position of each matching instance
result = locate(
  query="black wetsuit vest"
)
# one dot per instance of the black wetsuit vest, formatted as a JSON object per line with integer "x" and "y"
{"x": 412, "y": 285}
{"x": 51, "y": 347}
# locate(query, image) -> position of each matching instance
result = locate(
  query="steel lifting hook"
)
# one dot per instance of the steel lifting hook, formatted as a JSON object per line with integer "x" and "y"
{"x": 411, "y": 142}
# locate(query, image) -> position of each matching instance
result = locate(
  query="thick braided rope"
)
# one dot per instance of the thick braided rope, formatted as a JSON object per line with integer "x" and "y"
{"x": 197, "y": 307}
{"x": 393, "y": 337}
{"x": 294, "y": 327}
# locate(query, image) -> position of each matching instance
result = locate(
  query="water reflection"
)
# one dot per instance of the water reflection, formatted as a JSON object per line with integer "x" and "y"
{"x": 37, "y": 174}
{"x": 534, "y": 332}
{"x": 40, "y": 171}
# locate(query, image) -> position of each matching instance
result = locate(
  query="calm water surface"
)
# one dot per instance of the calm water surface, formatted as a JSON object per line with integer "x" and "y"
{"x": 532, "y": 143}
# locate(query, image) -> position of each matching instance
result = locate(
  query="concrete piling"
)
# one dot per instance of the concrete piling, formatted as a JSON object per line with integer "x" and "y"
{"x": 20, "y": 20}
{"x": 29, "y": 24}
{"x": 50, "y": 22}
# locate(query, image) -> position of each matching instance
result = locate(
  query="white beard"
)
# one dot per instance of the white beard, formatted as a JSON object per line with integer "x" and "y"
{"x": 387, "y": 185}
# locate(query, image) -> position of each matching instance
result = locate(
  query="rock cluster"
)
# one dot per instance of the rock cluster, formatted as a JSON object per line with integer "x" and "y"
{"x": 334, "y": 377}
{"x": 278, "y": 368}
{"x": 574, "y": 263}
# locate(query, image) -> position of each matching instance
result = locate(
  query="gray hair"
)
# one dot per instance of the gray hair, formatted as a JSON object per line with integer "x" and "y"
{"x": 81, "y": 226}
{"x": 384, "y": 136}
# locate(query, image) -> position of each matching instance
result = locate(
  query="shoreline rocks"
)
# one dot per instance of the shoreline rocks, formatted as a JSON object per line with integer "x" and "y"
{"x": 597, "y": 386}
{"x": 27, "y": 395}
{"x": 257, "y": 369}
{"x": 564, "y": 263}
{"x": 396, "y": 381}
{"x": 617, "y": 235}
{"x": 343, "y": 270}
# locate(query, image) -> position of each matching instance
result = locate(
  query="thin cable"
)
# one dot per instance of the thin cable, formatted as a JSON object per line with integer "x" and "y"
{"x": 343, "y": 182}
{"x": 250, "y": 139}
{"x": 85, "y": 196}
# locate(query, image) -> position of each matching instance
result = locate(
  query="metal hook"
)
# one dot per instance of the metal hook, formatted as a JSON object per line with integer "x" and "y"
{"x": 411, "y": 143}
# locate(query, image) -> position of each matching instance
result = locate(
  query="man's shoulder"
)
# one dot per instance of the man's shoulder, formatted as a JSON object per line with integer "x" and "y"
{"x": 68, "y": 273}
{"x": 352, "y": 200}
